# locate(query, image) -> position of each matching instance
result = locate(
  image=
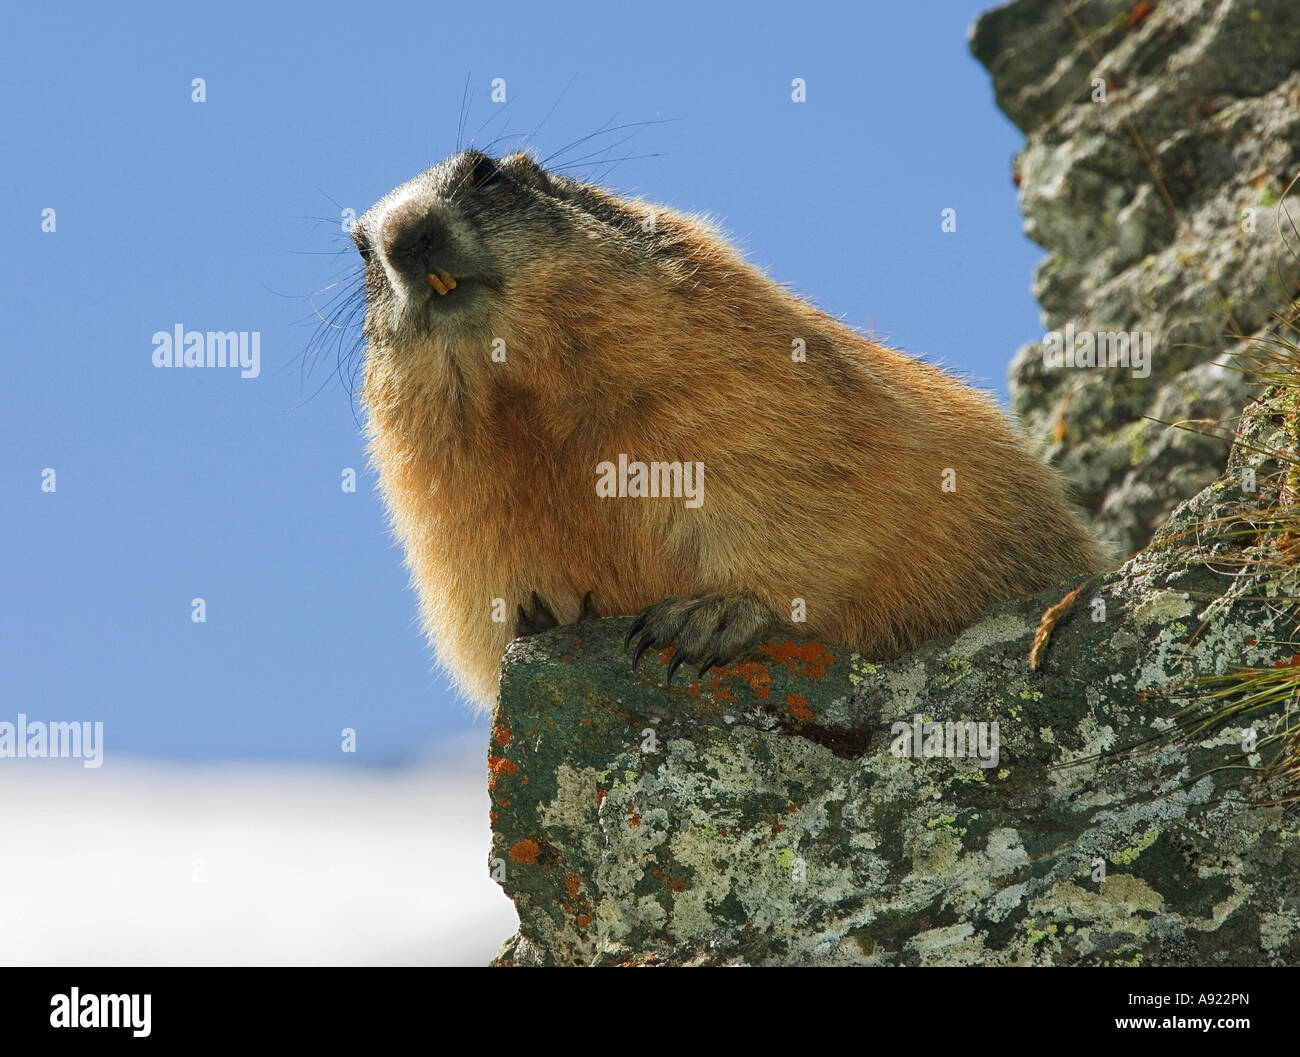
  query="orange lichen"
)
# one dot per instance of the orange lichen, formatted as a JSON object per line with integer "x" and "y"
{"x": 1139, "y": 12}
{"x": 809, "y": 660}
{"x": 501, "y": 734}
{"x": 757, "y": 676}
{"x": 798, "y": 706}
{"x": 526, "y": 852}
{"x": 677, "y": 884}
{"x": 499, "y": 766}
{"x": 571, "y": 883}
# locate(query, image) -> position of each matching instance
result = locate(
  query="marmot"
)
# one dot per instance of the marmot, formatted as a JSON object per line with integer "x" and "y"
{"x": 542, "y": 352}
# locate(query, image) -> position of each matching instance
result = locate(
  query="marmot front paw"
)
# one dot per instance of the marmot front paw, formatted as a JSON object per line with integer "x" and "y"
{"x": 706, "y": 631}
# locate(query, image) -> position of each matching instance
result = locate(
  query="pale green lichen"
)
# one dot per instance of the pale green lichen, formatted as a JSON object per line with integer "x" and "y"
{"x": 1125, "y": 857}
{"x": 860, "y": 669}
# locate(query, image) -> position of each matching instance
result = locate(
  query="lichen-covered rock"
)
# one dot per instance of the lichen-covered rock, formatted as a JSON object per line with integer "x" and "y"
{"x": 763, "y": 814}
{"x": 1157, "y": 205}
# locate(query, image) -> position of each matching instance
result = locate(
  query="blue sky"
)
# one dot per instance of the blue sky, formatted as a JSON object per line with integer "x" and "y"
{"x": 225, "y": 215}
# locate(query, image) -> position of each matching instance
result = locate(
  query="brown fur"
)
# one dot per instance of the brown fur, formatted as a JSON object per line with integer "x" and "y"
{"x": 822, "y": 479}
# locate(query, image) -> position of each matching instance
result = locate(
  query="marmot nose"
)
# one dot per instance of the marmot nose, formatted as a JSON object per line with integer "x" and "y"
{"x": 415, "y": 243}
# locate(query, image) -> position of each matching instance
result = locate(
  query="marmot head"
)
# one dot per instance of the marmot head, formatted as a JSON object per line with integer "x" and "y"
{"x": 478, "y": 256}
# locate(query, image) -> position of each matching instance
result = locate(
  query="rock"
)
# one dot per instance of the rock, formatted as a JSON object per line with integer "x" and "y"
{"x": 760, "y": 815}
{"x": 1210, "y": 93}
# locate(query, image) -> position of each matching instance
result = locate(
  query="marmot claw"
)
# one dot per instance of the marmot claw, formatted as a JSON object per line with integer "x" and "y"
{"x": 703, "y": 631}
{"x": 538, "y": 618}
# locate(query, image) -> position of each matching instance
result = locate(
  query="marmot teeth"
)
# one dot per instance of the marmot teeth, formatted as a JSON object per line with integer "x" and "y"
{"x": 443, "y": 282}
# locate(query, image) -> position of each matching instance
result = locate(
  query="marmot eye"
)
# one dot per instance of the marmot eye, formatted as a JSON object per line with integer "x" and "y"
{"x": 486, "y": 172}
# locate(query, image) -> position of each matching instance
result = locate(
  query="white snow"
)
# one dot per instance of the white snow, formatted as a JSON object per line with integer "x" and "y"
{"x": 193, "y": 864}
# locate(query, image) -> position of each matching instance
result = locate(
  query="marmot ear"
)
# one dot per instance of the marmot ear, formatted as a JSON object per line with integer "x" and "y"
{"x": 526, "y": 168}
